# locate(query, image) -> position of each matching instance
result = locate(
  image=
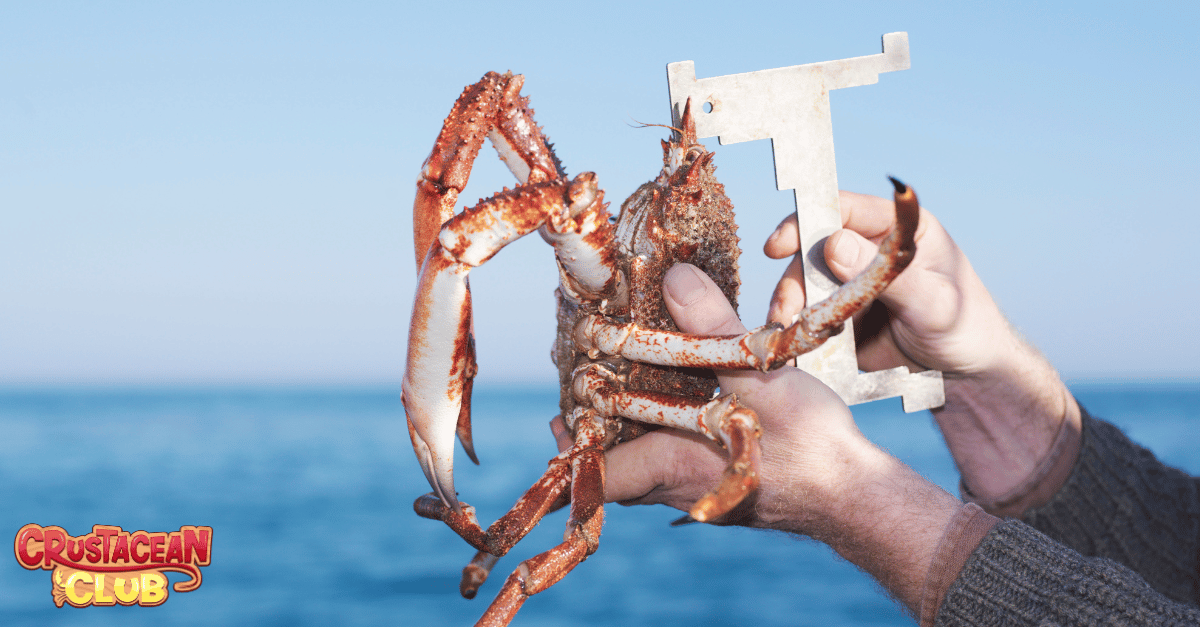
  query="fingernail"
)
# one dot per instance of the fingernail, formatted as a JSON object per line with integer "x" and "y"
{"x": 845, "y": 251}
{"x": 685, "y": 284}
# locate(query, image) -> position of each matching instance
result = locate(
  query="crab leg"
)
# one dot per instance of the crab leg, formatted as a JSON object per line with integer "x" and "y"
{"x": 583, "y": 528}
{"x": 503, "y": 534}
{"x": 722, "y": 420}
{"x": 548, "y": 494}
{"x": 475, "y": 573}
{"x": 493, "y": 107}
{"x": 771, "y": 346}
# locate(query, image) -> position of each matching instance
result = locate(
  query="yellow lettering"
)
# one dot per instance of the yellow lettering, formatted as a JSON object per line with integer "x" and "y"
{"x": 154, "y": 589}
{"x": 101, "y": 598}
{"x": 126, "y": 597}
{"x": 72, "y": 595}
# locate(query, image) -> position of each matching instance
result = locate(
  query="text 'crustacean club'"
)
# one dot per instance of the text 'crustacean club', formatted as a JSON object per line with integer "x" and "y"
{"x": 110, "y": 566}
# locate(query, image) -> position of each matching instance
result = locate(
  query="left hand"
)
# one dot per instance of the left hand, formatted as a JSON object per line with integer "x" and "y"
{"x": 806, "y": 429}
{"x": 819, "y": 476}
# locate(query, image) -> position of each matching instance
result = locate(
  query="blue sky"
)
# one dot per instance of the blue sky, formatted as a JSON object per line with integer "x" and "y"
{"x": 222, "y": 194}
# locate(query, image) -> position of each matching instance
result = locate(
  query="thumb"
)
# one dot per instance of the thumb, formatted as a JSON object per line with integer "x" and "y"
{"x": 696, "y": 303}
{"x": 847, "y": 253}
{"x": 698, "y": 306}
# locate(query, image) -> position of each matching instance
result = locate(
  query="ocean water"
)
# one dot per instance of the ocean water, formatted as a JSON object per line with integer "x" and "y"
{"x": 309, "y": 494}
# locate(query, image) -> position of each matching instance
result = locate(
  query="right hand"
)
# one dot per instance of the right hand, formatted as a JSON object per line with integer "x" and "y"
{"x": 1005, "y": 404}
{"x": 936, "y": 315}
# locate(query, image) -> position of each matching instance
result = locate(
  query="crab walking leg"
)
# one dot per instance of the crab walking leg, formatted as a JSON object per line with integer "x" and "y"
{"x": 491, "y": 108}
{"x": 583, "y": 528}
{"x": 722, "y": 420}
{"x": 524, "y": 515}
{"x": 547, "y": 495}
{"x": 770, "y": 346}
{"x": 597, "y": 334}
{"x": 896, "y": 251}
{"x": 475, "y": 573}
{"x": 439, "y": 334}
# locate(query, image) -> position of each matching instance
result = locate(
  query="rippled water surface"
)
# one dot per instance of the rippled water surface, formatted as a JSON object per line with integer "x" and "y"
{"x": 309, "y": 494}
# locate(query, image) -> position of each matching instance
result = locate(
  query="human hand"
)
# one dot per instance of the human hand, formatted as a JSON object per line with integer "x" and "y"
{"x": 803, "y": 424}
{"x": 819, "y": 476}
{"x": 1007, "y": 412}
{"x": 936, "y": 315}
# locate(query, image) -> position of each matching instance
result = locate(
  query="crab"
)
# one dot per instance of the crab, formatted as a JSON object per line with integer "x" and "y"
{"x": 624, "y": 367}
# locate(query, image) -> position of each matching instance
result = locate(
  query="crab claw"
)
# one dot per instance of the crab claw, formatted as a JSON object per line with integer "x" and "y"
{"x": 439, "y": 474}
{"x": 438, "y": 360}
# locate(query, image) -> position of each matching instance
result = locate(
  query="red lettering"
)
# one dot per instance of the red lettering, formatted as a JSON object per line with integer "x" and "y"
{"x": 107, "y": 533}
{"x": 139, "y": 538}
{"x": 156, "y": 547}
{"x": 75, "y": 549}
{"x": 29, "y": 533}
{"x": 56, "y": 541}
{"x": 175, "y": 550}
{"x": 37, "y": 546}
{"x": 93, "y": 548}
{"x": 121, "y": 550}
{"x": 199, "y": 539}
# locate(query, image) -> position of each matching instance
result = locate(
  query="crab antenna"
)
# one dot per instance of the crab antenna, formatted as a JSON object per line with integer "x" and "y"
{"x": 648, "y": 125}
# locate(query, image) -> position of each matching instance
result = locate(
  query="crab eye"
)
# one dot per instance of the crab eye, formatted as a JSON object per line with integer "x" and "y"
{"x": 692, "y": 155}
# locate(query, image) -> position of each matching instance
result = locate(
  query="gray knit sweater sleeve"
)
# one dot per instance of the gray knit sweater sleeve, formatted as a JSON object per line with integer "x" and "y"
{"x": 1132, "y": 526}
{"x": 1018, "y": 576}
{"x": 1121, "y": 503}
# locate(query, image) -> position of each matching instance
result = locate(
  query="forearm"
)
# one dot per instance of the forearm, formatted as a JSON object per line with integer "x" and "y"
{"x": 876, "y": 513}
{"x": 1013, "y": 429}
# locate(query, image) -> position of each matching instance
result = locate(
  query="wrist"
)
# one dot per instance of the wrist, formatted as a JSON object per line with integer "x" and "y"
{"x": 874, "y": 511}
{"x": 891, "y": 525}
{"x": 880, "y": 515}
{"x": 816, "y": 486}
{"x": 1008, "y": 425}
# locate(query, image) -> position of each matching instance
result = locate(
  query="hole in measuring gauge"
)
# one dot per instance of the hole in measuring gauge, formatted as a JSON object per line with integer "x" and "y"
{"x": 708, "y": 107}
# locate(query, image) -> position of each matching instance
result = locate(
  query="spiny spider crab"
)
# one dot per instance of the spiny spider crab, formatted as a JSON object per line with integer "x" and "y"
{"x": 624, "y": 367}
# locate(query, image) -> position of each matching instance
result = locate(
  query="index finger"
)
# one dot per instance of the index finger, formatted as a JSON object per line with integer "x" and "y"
{"x": 869, "y": 216}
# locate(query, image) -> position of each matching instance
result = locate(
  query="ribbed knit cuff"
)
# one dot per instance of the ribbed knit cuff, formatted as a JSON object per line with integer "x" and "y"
{"x": 963, "y": 534}
{"x": 1124, "y": 504}
{"x": 1047, "y": 477}
{"x": 1018, "y": 576}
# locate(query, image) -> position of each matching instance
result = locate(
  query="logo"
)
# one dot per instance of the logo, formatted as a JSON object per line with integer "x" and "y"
{"x": 110, "y": 566}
